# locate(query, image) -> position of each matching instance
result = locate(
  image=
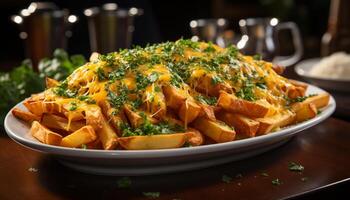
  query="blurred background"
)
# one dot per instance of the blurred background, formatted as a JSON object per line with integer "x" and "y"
{"x": 169, "y": 20}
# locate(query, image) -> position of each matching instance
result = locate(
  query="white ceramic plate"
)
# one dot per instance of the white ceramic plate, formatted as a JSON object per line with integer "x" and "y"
{"x": 303, "y": 69}
{"x": 145, "y": 162}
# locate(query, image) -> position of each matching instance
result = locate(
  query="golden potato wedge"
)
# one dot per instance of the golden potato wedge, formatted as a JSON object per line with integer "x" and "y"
{"x": 194, "y": 138}
{"x": 174, "y": 96}
{"x": 189, "y": 111}
{"x": 136, "y": 119}
{"x": 107, "y": 136}
{"x": 278, "y": 69}
{"x": 205, "y": 85}
{"x": 61, "y": 123}
{"x": 320, "y": 100}
{"x": 82, "y": 136}
{"x": 113, "y": 116}
{"x": 233, "y": 104}
{"x": 207, "y": 111}
{"x": 50, "y": 83}
{"x": 93, "y": 116}
{"x": 154, "y": 102}
{"x": 216, "y": 130}
{"x": 296, "y": 91}
{"x": 298, "y": 83}
{"x": 25, "y": 116}
{"x": 44, "y": 135}
{"x": 35, "y": 107}
{"x": 165, "y": 141}
{"x": 304, "y": 111}
{"x": 242, "y": 124}
{"x": 279, "y": 120}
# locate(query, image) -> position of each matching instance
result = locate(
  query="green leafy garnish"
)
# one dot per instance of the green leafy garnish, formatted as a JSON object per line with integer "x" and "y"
{"x": 73, "y": 106}
{"x": 257, "y": 57}
{"x": 246, "y": 92}
{"x": 207, "y": 100}
{"x": 226, "y": 178}
{"x": 276, "y": 182}
{"x": 124, "y": 182}
{"x": 264, "y": 174}
{"x": 151, "y": 195}
{"x": 295, "y": 167}
{"x": 215, "y": 80}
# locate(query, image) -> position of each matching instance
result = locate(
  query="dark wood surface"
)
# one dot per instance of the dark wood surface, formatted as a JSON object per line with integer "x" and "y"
{"x": 323, "y": 150}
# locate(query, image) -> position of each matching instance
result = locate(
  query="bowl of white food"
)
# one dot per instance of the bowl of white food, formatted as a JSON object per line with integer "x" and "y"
{"x": 332, "y": 72}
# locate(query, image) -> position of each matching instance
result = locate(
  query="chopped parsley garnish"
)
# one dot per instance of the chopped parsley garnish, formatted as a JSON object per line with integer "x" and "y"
{"x": 73, "y": 106}
{"x": 295, "y": 167}
{"x": 261, "y": 85}
{"x": 246, "y": 92}
{"x": 151, "y": 195}
{"x": 83, "y": 146}
{"x": 215, "y": 80}
{"x": 117, "y": 74}
{"x": 100, "y": 74}
{"x": 257, "y": 57}
{"x": 301, "y": 99}
{"x": 207, "y": 100}
{"x": 124, "y": 182}
{"x": 210, "y": 48}
{"x": 109, "y": 58}
{"x": 276, "y": 182}
{"x": 304, "y": 179}
{"x": 147, "y": 128}
{"x": 62, "y": 90}
{"x": 226, "y": 178}
{"x": 118, "y": 100}
{"x": 87, "y": 99}
{"x": 264, "y": 174}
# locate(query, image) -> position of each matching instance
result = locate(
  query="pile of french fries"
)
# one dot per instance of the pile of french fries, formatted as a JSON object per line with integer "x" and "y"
{"x": 91, "y": 129}
{"x": 95, "y": 126}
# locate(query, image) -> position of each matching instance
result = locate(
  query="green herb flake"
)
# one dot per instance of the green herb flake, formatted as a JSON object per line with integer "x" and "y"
{"x": 100, "y": 74}
{"x": 226, "y": 178}
{"x": 304, "y": 179}
{"x": 276, "y": 182}
{"x": 215, "y": 80}
{"x": 264, "y": 174}
{"x": 257, "y": 57}
{"x": 206, "y": 100}
{"x": 124, "y": 182}
{"x": 295, "y": 167}
{"x": 151, "y": 195}
{"x": 83, "y": 146}
{"x": 73, "y": 106}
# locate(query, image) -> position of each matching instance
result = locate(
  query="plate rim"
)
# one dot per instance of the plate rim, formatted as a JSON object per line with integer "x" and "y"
{"x": 92, "y": 153}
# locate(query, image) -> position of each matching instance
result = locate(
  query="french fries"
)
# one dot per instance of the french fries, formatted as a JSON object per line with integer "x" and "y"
{"x": 271, "y": 123}
{"x": 189, "y": 111}
{"x": 60, "y": 123}
{"x": 243, "y": 125}
{"x": 153, "y": 141}
{"x": 107, "y": 136}
{"x": 25, "y": 116}
{"x": 82, "y": 136}
{"x": 50, "y": 83}
{"x": 214, "y": 129}
{"x": 44, "y": 135}
{"x": 169, "y": 95}
{"x": 235, "y": 105}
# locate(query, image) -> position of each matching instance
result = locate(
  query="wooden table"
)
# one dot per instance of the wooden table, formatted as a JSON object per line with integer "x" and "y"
{"x": 323, "y": 150}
